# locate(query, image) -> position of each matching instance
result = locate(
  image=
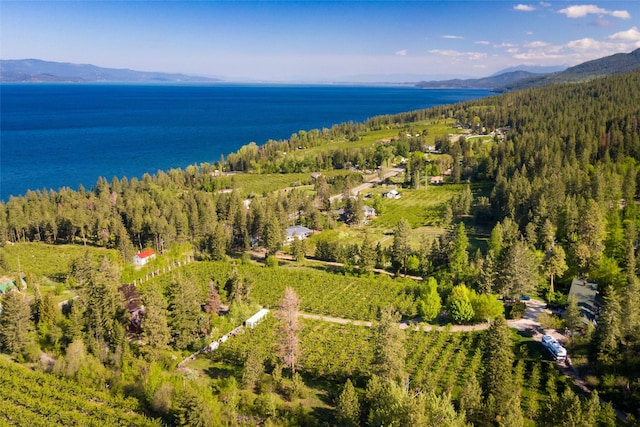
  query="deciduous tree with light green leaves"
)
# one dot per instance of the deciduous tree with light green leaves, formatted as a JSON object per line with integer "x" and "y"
{"x": 459, "y": 304}
{"x": 430, "y": 303}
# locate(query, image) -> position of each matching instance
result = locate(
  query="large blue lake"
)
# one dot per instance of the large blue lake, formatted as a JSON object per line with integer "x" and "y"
{"x": 55, "y": 135}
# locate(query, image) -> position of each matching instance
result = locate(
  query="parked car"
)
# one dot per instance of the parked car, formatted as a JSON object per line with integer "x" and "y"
{"x": 525, "y": 297}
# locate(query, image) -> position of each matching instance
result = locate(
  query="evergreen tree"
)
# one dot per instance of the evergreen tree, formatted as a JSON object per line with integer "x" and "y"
{"x": 470, "y": 398}
{"x": 608, "y": 332}
{"x": 589, "y": 247}
{"x": 353, "y": 209}
{"x": 15, "y": 323}
{"x": 192, "y": 410}
{"x": 388, "y": 347}
{"x": 572, "y": 316}
{"x": 401, "y": 248}
{"x": 272, "y": 233}
{"x": 185, "y": 312}
{"x": 518, "y": 272}
{"x": 218, "y": 242}
{"x": 252, "y": 370}
{"x": 458, "y": 256}
{"x": 630, "y": 314}
{"x": 155, "y": 329}
{"x": 348, "y": 407}
{"x": 367, "y": 256}
{"x": 101, "y": 300}
{"x": 497, "y": 359}
{"x": 298, "y": 248}
{"x": 512, "y": 413}
{"x": 555, "y": 264}
{"x": 607, "y": 415}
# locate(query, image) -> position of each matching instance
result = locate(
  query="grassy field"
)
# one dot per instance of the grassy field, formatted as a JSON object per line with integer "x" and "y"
{"x": 50, "y": 261}
{"x": 259, "y": 184}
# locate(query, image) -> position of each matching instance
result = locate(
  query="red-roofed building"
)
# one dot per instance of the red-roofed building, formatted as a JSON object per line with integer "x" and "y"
{"x": 141, "y": 258}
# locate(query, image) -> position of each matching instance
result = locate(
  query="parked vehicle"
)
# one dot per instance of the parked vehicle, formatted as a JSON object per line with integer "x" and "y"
{"x": 557, "y": 351}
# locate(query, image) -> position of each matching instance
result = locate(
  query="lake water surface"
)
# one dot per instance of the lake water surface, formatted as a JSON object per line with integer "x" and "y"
{"x": 56, "y": 135}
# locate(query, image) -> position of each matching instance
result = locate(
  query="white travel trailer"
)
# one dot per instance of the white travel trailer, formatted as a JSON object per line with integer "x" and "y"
{"x": 557, "y": 351}
{"x": 256, "y": 318}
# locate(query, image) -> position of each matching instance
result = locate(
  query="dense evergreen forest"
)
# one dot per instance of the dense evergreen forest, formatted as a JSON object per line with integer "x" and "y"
{"x": 541, "y": 188}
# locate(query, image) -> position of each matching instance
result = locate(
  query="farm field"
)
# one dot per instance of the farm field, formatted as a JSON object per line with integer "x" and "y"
{"x": 259, "y": 184}
{"x": 51, "y": 261}
{"x": 31, "y": 398}
{"x": 328, "y": 294}
{"x": 439, "y": 361}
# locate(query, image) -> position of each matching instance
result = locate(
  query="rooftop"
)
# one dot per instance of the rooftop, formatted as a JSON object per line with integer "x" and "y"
{"x": 587, "y": 295}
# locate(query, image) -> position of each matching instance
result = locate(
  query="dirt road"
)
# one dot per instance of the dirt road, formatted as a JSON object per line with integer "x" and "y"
{"x": 361, "y": 187}
{"x": 528, "y": 321}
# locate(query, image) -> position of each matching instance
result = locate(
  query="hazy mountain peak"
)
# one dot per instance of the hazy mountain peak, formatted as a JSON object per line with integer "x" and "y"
{"x": 37, "y": 70}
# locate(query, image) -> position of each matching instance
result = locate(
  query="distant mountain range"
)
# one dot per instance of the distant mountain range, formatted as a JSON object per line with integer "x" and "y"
{"x": 490, "y": 82}
{"x": 536, "y": 69}
{"x": 519, "y": 79}
{"x": 35, "y": 70}
{"x": 609, "y": 65}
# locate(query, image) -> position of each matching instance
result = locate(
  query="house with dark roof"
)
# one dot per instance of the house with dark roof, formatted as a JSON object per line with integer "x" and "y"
{"x": 586, "y": 293}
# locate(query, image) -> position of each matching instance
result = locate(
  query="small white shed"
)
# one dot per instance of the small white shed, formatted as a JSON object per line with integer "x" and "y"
{"x": 256, "y": 318}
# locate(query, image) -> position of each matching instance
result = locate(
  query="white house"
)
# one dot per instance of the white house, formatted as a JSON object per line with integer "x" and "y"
{"x": 392, "y": 194}
{"x": 141, "y": 258}
{"x": 297, "y": 231}
{"x": 369, "y": 212}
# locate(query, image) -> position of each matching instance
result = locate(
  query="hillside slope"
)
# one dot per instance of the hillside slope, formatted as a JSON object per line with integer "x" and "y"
{"x": 35, "y": 70}
{"x": 614, "y": 64}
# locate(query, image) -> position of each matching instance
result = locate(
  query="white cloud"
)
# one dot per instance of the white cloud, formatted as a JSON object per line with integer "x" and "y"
{"x": 580, "y": 11}
{"x": 452, "y": 37}
{"x": 482, "y": 42}
{"x": 524, "y": 8}
{"x": 402, "y": 52}
{"x": 632, "y": 34}
{"x": 457, "y": 54}
{"x": 586, "y": 43}
{"x": 622, "y": 14}
{"x": 445, "y": 52}
{"x": 536, "y": 44}
{"x": 545, "y": 4}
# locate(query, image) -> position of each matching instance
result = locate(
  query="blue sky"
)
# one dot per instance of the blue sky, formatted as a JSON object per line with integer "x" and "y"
{"x": 319, "y": 41}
